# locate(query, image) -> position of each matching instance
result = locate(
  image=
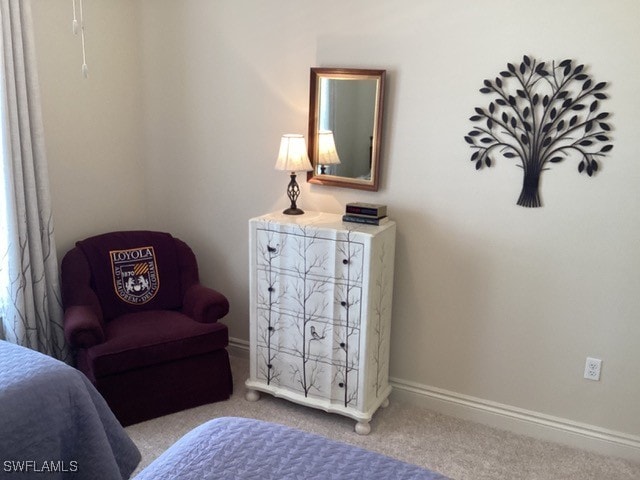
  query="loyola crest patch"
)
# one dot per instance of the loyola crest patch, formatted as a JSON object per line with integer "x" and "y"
{"x": 135, "y": 274}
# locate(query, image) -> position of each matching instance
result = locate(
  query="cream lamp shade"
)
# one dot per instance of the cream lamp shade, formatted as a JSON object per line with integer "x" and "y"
{"x": 293, "y": 156}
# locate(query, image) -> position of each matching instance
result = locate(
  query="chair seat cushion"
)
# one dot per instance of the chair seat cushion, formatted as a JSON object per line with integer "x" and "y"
{"x": 137, "y": 340}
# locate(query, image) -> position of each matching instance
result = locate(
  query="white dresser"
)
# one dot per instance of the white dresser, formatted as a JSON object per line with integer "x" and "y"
{"x": 320, "y": 312}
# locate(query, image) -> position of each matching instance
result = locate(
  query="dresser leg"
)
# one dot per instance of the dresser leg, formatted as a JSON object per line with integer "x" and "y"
{"x": 363, "y": 428}
{"x": 252, "y": 396}
{"x": 385, "y": 403}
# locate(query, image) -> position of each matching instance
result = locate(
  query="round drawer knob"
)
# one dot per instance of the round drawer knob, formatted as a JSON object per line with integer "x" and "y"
{"x": 345, "y": 262}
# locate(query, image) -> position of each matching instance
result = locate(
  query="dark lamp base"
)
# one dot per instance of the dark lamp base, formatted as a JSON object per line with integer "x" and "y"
{"x": 293, "y": 190}
{"x": 293, "y": 211}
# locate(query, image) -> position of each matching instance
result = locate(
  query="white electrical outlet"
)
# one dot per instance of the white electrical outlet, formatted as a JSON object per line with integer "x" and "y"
{"x": 592, "y": 368}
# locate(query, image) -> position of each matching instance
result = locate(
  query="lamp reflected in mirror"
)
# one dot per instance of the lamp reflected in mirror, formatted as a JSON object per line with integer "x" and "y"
{"x": 327, "y": 153}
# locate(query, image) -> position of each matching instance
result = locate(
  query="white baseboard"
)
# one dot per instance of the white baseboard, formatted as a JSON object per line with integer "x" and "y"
{"x": 238, "y": 347}
{"x": 518, "y": 420}
{"x": 505, "y": 417}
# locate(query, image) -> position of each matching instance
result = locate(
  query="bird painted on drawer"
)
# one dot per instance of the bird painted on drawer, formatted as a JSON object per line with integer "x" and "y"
{"x": 314, "y": 334}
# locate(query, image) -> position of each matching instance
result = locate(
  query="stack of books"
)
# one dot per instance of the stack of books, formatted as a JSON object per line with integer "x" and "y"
{"x": 368, "y": 213}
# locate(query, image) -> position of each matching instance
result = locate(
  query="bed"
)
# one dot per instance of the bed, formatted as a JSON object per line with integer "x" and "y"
{"x": 54, "y": 424}
{"x": 242, "y": 448}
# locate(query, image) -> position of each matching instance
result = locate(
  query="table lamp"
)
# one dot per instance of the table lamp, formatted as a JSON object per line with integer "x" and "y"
{"x": 293, "y": 158}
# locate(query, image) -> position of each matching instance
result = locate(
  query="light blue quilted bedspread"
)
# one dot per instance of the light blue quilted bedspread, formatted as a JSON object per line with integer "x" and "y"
{"x": 55, "y": 425}
{"x": 241, "y": 448}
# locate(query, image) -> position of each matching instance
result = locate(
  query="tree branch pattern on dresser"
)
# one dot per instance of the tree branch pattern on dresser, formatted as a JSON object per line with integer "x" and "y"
{"x": 310, "y": 303}
{"x": 316, "y": 315}
{"x": 381, "y": 307}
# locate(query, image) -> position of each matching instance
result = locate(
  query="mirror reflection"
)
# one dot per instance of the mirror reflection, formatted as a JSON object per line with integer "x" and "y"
{"x": 345, "y": 117}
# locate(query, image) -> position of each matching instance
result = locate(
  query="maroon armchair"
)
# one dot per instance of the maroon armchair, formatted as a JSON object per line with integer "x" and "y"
{"x": 145, "y": 331}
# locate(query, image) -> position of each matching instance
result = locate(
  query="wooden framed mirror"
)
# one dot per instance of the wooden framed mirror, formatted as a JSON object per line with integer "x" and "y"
{"x": 345, "y": 127}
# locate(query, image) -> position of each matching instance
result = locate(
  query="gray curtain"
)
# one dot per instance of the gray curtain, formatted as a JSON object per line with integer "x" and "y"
{"x": 30, "y": 306}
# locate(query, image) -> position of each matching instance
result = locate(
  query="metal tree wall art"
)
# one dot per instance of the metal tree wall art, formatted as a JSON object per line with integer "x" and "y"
{"x": 542, "y": 113}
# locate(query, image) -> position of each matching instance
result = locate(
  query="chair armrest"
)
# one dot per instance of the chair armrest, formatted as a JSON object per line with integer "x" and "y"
{"x": 82, "y": 329}
{"x": 204, "y": 304}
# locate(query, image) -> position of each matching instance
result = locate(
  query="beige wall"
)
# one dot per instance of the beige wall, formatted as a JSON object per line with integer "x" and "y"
{"x": 492, "y": 300}
{"x": 93, "y": 127}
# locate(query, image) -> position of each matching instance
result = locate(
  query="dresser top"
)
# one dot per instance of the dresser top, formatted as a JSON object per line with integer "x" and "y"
{"x": 331, "y": 221}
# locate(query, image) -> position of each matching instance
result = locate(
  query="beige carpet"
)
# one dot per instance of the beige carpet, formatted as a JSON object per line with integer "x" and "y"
{"x": 459, "y": 449}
